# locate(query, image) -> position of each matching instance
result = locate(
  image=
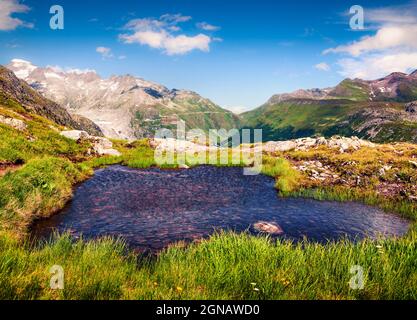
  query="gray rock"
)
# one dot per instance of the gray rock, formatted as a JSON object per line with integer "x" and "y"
{"x": 14, "y": 123}
{"x": 75, "y": 134}
{"x": 279, "y": 146}
{"x": 268, "y": 227}
{"x": 103, "y": 146}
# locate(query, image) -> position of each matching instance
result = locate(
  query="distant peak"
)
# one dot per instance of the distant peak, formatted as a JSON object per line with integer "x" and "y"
{"x": 22, "y": 68}
{"x": 414, "y": 73}
{"x": 396, "y": 74}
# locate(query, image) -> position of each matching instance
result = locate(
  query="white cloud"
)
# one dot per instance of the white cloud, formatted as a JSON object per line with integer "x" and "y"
{"x": 105, "y": 52}
{"x": 323, "y": 66}
{"x": 378, "y": 65}
{"x": 161, "y": 34}
{"x": 403, "y": 14}
{"x": 7, "y": 9}
{"x": 207, "y": 27}
{"x": 174, "y": 18}
{"x": 393, "y": 47}
{"x": 386, "y": 38}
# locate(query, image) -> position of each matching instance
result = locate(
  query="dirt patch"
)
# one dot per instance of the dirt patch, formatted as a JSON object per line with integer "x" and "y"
{"x": 6, "y": 167}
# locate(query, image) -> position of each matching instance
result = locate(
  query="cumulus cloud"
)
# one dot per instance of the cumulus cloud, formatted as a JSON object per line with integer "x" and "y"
{"x": 386, "y": 38}
{"x": 323, "y": 66}
{"x": 207, "y": 27}
{"x": 105, "y": 52}
{"x": 378, "y": 65}
{"x": 161, "y": 34}
{"x": 9, "y": 8}
{"x": 393, "y": 46}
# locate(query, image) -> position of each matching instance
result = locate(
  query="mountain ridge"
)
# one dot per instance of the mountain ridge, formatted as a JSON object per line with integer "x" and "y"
{"x": 13, "y": 90}
{"x": 381, "y": 89}
{"x": 371, "y": 109}
{"x": 124, "y": 106}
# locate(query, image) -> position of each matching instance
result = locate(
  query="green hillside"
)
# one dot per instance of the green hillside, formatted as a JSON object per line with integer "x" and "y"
{"x": 373, "y": 110}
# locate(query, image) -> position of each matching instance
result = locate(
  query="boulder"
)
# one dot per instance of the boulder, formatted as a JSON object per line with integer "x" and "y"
{"x": 75, "y": 135}
{"x": 279, "y": 146}
{"x": 103, "y": 146}
{"x": 14, "y": 123}
{"x": 268, "y": 227}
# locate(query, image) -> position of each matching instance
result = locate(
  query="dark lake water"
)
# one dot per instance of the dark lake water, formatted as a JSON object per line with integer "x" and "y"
{"x": 153, "y": 208}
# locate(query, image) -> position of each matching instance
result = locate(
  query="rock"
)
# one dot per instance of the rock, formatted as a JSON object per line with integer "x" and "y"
{"x": 279, "y": 146}
{"x": 14, "y": 123}
{"x": 110, "y": 152}
{"x": 268, "y": 227}
{"x": 75, "y": 134}
{"x": 340, "y": 143}
{"x": 411, "y": 107}
{"x": 103, "y": 146}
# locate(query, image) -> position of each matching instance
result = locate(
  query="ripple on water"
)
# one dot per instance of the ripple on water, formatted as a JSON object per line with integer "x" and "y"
{"x": 152, "y": 208}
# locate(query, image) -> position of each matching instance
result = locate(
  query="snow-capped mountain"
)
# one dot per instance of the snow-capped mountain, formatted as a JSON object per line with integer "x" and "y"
{"x": 123, "y": 106}
{"x": 14, "y": 91}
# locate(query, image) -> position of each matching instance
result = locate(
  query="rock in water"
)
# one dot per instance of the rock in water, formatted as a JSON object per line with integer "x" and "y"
{"x": 268, "y": 227}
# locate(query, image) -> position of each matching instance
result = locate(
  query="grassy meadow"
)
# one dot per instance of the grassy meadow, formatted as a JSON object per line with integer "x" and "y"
{"x": 47, "y": 166}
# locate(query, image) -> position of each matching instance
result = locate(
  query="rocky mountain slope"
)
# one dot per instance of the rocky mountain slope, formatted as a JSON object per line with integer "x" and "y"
{"x": 14, "y": 91}
{"x": 123, "y": 106}
{"x": 379, "y": 110}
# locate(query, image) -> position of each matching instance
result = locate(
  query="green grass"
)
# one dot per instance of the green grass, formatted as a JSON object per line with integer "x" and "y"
{"x": 287, "y": 178}
{"x": 226, "y": 266}
{"x": 139, "y": 156}
{"x": 406, "y": 209}
{"x": 40, "y": 188}
{"x": 41, "y": 138}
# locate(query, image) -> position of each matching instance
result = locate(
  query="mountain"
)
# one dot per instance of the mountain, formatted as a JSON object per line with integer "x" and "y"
{"x": 124, "y": 106}
{"x": 375, "y": 110}
{"x": 16, "y": 92}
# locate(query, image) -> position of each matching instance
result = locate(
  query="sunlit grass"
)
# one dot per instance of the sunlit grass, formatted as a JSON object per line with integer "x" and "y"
{"x": 227, "y": 266}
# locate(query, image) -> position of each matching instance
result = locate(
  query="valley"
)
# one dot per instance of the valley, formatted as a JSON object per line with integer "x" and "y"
{"x": 46, "y": 152}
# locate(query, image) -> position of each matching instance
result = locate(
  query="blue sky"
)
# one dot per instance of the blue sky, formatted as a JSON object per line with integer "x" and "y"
{"x": 237, "y": 53}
